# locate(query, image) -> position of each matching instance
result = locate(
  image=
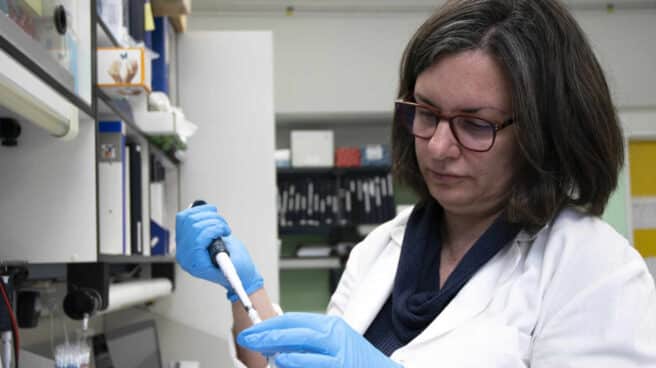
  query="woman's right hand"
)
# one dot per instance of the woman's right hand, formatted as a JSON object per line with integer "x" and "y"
{"x": 195, "y": 229}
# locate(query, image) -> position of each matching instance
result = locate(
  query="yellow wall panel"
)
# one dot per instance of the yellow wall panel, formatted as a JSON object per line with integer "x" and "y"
{"x": 645, "y": 242}
{"x": 642, "y": 162}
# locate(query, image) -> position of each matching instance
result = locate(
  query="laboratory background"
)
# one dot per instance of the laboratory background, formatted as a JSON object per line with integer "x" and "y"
{"x": 117, "y": 114}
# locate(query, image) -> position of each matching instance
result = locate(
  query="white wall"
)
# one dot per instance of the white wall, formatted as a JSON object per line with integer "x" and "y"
{"x": 326, "y": 62}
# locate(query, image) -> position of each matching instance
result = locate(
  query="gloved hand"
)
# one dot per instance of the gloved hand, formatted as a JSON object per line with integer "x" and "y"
{"x": 313, "y": 340}
{"x": 195, "y": 229}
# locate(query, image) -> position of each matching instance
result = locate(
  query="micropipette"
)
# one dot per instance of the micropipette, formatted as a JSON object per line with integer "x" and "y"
{"x": 220, "y": 257}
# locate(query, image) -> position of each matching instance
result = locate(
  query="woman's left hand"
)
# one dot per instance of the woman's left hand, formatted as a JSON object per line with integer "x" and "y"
{"x": 304, "y": 340}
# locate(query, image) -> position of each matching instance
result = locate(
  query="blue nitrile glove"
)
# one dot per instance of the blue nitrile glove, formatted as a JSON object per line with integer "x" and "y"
{"x": 195, "y": 229}
{"x": 313, "y": 340}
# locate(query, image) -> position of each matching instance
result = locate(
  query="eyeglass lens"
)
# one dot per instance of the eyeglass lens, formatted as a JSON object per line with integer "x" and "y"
{"x": 471, "y": 132}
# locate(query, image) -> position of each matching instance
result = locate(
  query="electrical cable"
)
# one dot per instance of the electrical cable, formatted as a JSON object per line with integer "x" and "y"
{"x": 14, "y": 323}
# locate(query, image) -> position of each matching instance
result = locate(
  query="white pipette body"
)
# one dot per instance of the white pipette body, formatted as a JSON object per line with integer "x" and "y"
{"x": 229, "y": 271}
{"x": 223, "y": 259}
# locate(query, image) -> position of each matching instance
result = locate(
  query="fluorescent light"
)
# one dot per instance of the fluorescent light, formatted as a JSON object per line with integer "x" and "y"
{"x": 29, "y": 97}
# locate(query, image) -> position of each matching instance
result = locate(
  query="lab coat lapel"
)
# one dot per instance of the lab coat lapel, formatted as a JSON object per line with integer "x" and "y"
{"x": 475, "y": 296}
{"x": 376, "y": 287}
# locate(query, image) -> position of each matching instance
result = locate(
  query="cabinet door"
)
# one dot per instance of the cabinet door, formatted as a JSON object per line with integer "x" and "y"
{"x": 642, "y": 158}
{"x": 226, "y": 88}
{"x": 640, "y": 133}
{"x": 54, "y": 36}
{"x": 48, "y": 197}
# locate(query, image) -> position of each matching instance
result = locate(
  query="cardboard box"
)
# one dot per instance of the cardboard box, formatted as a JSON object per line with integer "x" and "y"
{"x": 312, "y": 148}
{"x": 179, "y": 23}
{"x": 375, "y": 155}
{"x": 124, "y": 71}
{"x": 171, "y": 7}
{"x": 347, "y": 157}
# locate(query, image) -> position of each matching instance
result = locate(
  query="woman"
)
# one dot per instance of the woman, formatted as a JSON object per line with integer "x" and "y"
{"x": 505, "y": 129}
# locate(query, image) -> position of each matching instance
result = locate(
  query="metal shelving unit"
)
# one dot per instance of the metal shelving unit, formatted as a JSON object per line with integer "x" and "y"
{"x": 298, "y": 263}
{"x": 113, "y": 259}
{"x": 286, "y": 171}
{"x": 104, "y": 37}
{"x": 120, "y": 109}
{"x": 110, "y": 108}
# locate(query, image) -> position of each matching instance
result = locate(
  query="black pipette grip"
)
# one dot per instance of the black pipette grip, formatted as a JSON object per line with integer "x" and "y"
{"x": 217, "y": 246}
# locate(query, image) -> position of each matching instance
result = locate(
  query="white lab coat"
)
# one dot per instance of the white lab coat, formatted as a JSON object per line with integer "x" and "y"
{"x": 575, "y": 294}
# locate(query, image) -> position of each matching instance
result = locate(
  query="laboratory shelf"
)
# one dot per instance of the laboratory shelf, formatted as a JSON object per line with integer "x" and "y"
{"x": 110, "y": 258}
{"x": 298, "y": 263}
{"x": 304, "y": 230}
{"x": 286, "y": 171}
{"x": 104, "y": 37}
{"x": 32, "y": 56}
{"x": 122, "y": 110}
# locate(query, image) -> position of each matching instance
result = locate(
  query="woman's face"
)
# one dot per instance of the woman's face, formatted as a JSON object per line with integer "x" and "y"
{"x": 465, "y": 182}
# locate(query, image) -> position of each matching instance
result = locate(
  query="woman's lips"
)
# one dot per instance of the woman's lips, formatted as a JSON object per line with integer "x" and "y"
{"x": 443, "y": 177}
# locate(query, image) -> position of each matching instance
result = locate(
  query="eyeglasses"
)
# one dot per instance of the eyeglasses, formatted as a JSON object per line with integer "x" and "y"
{"x": 471, "y": 132}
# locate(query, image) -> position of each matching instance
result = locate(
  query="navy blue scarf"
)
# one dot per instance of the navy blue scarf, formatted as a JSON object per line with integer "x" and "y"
{"x": 416, "y": 298}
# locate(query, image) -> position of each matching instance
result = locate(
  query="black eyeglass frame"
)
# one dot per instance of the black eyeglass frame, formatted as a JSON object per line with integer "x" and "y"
{"x": 495, "y": 126}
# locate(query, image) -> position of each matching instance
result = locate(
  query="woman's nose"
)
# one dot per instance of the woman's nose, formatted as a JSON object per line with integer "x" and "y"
{"x": 443, "y": 143}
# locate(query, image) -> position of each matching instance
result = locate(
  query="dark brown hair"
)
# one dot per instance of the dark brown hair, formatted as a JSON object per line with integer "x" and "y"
{"x": 565, "y": 123}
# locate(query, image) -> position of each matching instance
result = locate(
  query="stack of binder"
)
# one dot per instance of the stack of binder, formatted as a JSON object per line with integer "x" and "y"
{"x": 120, "y": 191}
{"x": 159, "y": 233}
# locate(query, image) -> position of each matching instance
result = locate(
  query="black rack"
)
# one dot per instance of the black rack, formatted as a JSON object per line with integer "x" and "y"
{"x": 322, "y": 200}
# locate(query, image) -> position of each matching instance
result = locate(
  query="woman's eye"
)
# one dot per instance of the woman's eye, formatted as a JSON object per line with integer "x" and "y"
{"x": 474, "y": 128}
{"x": 476, "y": 124}
{"x": 425, "y": 114}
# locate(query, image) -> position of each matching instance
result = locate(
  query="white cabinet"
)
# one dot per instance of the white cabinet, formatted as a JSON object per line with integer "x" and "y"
{"x": 48, "y": 197}
{"x": 226, "y": 88}
{"x": 47, "y": 184}
{"x": 49, "y": 189}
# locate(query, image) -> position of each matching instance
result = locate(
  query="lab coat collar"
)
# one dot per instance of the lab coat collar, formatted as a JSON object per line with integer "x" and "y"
{"x": 397, "y": 226}
{"x": 374, "y": 289}
{"x": 377, "y": 285}
{"x": 397, "y": 234}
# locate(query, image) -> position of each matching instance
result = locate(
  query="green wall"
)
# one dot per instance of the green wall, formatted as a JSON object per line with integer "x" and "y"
{"x": 303, "y": 290}
{"x": 616, "y": 211}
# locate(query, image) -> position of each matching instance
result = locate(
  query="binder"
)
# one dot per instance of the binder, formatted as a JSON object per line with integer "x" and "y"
{"x": 160, "y": 66}
{"x": 135, "y": 195}
{"x": 157, "y": 177}
{"x": 159, "y": 239}
{"x": 127, "y": 203}
{"x": 113, "y": 182}
{"x": 137, "y": 18}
